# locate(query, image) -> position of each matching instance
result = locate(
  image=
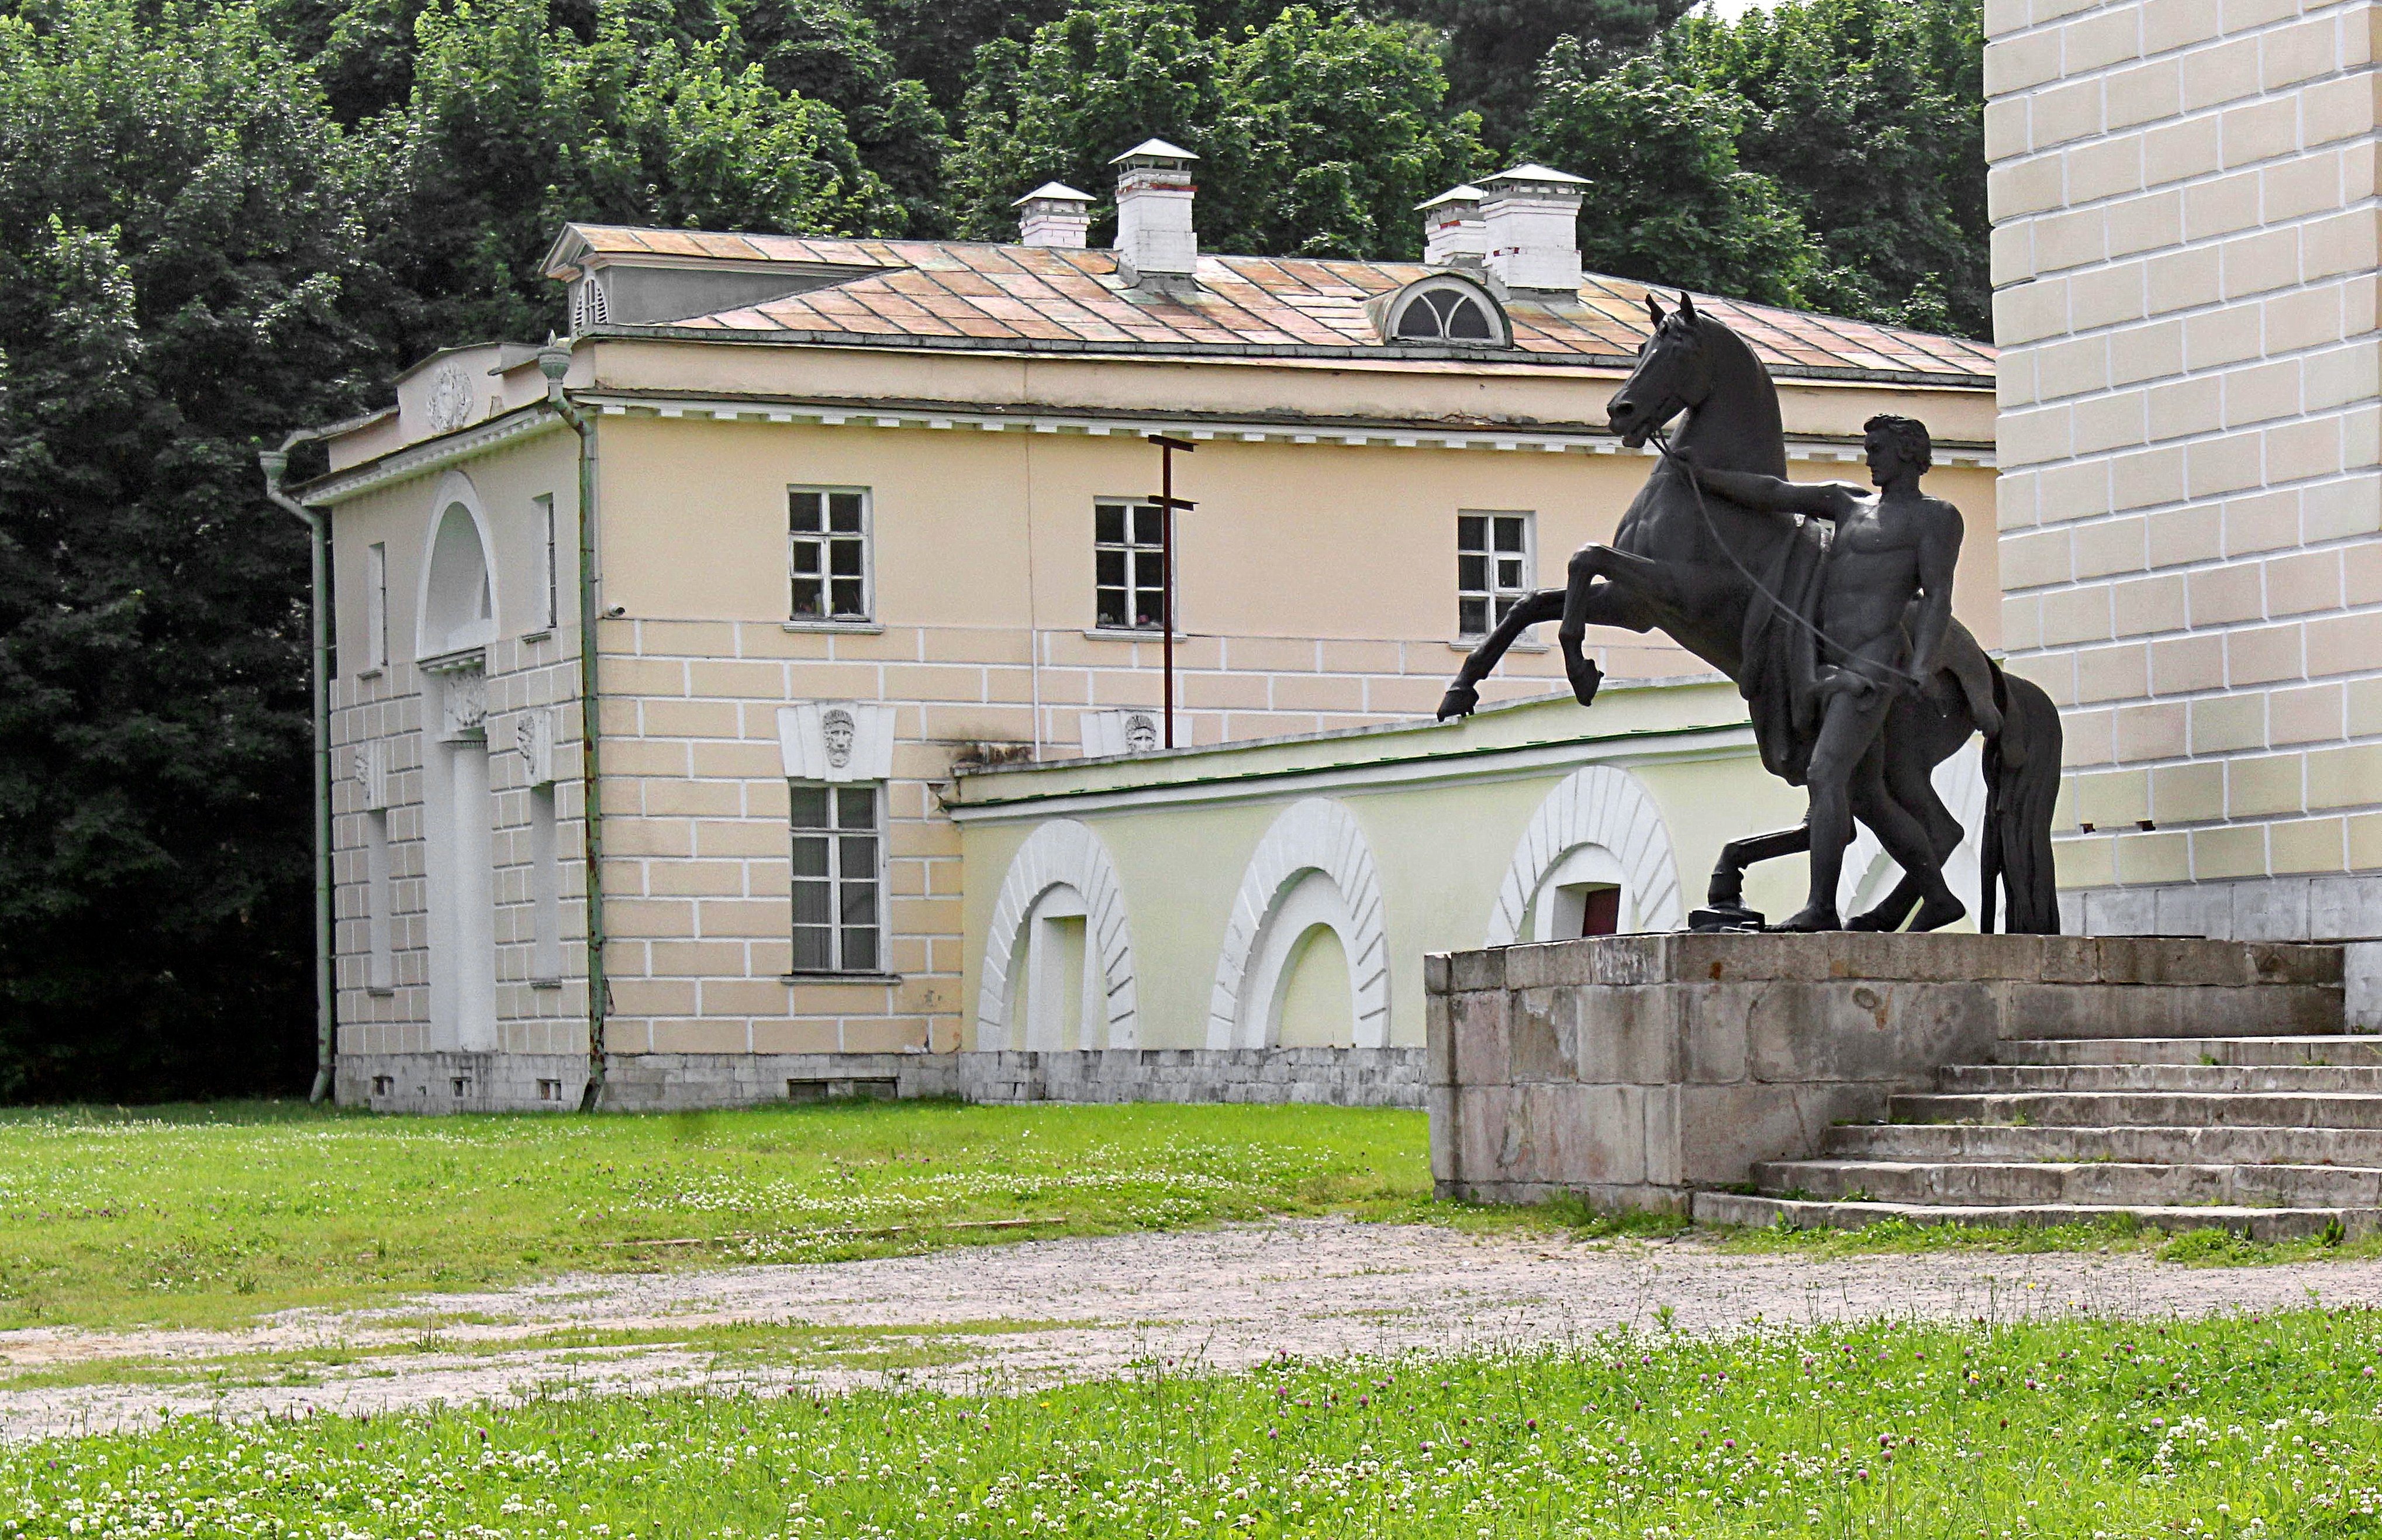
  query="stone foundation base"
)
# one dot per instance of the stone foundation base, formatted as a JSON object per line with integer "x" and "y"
{"x": 1635, "y": 1070}
{"x": 669, "y": 1082}
{"x": 2345, "y": 908}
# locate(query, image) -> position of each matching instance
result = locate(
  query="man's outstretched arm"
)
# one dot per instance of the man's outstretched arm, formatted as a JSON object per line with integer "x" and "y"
{"x": 1770, "y": 494}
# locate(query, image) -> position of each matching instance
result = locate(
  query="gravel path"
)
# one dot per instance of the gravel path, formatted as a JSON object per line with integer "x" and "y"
{"x": 1083, "y": 1307}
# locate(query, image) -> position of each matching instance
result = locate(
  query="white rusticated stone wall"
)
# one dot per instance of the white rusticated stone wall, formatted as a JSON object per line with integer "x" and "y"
{"x": 2184, "y": 253}
{"x": 382, "y": 711}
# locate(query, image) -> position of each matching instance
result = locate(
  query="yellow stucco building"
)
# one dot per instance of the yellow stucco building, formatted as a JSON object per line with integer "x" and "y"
{"x": 861, "y": 512}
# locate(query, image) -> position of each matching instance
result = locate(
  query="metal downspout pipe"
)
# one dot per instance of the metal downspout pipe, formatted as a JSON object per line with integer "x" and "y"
{"x": 275, "y": 464}
{"x": 554, "y": 362}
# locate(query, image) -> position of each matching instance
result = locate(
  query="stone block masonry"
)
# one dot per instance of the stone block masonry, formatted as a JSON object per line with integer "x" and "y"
{"x": 677, "y": 1082}
{"x": 2184, "y": 254}
{"x": 1636, "y": 1070}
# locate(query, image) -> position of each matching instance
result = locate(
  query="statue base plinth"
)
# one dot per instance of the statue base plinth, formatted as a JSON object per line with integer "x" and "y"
{"x": 1636, "y": 1070}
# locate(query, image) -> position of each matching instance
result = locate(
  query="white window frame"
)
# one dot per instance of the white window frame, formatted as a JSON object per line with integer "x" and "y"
{"x": 1131, "y": 549}
{"x": 375, "y": 607}
{"x": 1455, "y": 295}
{"x": 834, "y": 836}
{"x": 1494, "y": 594}
{"x": 544, "y": 501}
{"x": 825, "y": 540}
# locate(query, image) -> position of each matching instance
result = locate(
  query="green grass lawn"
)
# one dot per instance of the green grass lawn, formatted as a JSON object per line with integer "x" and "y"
{"x": 213, "y": 1215}
{"x": 2087, "y": 1430}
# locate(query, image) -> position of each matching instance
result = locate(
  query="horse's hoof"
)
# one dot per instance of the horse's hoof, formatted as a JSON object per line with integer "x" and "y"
{"x": 1461, "y": 700}
{"x": 1585, "y": 678}
{"x": 1937, "y": 913}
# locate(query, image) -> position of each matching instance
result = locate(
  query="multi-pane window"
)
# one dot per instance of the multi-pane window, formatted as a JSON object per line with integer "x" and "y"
{"x": 1492, "y": 569}
{"x": 827, "y": 536}
{"x": 838, "y": 923}
{"x": 1128, "y": 566}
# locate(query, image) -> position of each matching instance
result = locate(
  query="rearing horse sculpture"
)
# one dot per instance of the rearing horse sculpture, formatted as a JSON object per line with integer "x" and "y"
{"x": 1722, "y": 580}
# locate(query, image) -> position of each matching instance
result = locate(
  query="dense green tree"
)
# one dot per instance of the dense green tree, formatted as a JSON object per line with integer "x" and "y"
{"x": 1494, "y": 47}
{"x": 1335, "y": 128}
{"x": 1870, "y": 115}
{"x": 1318, "y": 134}
{"x": 1093, "y": 84}
{"x": 515, "y": 125}
{"x": 178, "y": 248}
{"x": 1668, "y": 203}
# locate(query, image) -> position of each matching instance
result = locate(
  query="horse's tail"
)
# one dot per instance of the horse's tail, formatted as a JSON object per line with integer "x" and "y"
{"x": 2021, "y": 784}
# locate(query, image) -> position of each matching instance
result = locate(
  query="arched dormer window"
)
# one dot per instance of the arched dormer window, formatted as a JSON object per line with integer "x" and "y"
{"x": 1443, "y": 309}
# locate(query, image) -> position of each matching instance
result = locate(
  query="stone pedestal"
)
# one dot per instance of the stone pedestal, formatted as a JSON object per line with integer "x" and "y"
{"x": 1635, "y": 1070}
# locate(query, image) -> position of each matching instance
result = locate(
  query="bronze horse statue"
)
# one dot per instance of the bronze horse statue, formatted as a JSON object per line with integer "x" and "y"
{"x": 1710, "y": 573}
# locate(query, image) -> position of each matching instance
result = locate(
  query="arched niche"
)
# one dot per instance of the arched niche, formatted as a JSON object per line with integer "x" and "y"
{"x": 457, "y": 603}
{"x": 1599, "y": 827}
{"x": 1312, "y": 868}
{"x": 1060, "y": 884}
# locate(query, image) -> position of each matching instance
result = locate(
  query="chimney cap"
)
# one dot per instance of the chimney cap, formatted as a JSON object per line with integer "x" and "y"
{"x": 1461, "y": 192}
{"x": 1154, "y": 149}
{"x": 1054, "y": 192}
{"x": 1532, "y": 172}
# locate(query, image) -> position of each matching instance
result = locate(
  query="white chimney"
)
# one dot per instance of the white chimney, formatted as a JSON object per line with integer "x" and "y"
{"x": 1530, "y": 216}
{"x": 1054, "y": 215}
{"x": 1453, "y": 235}
{"x": 1155, "y": 238}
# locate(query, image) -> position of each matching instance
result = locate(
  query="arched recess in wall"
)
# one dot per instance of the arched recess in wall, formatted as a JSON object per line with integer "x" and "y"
{"x": 1313, "y": 867}
{"x": 1870, "y": 873}
{"x": 1060, "y": 872}
{"x": 1600, "y": 824}
{"x": 458, "y": 602}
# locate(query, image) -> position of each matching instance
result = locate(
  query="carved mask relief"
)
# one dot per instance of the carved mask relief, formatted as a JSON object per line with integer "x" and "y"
{"x": 1140, "y": 733}
{"x": 838, "y": 727}
{"x": 450, "y": 399}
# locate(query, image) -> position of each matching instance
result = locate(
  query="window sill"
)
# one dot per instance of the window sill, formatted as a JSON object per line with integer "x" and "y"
{"x": 1520, "y": 644}
{"x": 1120, "y": 634}
{"x": 831, "y": 978}
{"x": 545, "y": 635}
{"x": 369, "y": 673}
{"x": 380, "y": 991}
{"x": 847, "y": 628}
{"x": 545, "y": 983}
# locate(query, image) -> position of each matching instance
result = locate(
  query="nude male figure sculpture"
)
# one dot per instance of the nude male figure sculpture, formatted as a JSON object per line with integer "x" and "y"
{"x": 1885, "y": 601}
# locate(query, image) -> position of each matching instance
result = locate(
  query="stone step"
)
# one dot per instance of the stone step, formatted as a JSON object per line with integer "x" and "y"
{"x": 2217, "y": 1144}
{"x": 2361, "y": 1079}
{"x": 2258, "y": 1223}
{"x": 2332, "y": 1050}
{"x": 2181, "y": 1109}
{"x": 2091, "y": 1182}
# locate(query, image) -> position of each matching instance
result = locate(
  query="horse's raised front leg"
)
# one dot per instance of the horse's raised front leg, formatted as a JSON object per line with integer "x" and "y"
{"x": 1463, "y": 696}
{"x": 1631, "y": 579}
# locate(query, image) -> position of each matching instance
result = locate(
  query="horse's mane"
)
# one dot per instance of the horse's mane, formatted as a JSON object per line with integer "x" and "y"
{"x": 1750, "y": 423}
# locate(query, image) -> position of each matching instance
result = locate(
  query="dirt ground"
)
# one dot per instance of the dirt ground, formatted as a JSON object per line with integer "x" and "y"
{"x": 1005, "y": 1316}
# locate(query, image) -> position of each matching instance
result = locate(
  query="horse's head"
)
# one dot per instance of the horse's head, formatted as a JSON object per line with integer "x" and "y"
{"x": 1674, "y": 375}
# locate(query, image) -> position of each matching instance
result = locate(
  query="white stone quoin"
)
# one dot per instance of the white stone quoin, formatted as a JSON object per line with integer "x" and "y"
{"x": 1155, "y": 236}
{"x": 1453, "y": 232}
{"x": 1529, "y": 218}
{"x": 1054, "y": 215}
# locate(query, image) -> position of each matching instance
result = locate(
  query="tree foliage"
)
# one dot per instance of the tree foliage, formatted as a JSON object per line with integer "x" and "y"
{"x": 178, "y": 246}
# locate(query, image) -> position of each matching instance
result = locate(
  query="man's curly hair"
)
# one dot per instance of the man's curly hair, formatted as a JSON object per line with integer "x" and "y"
{"x": 1910, "y": 436}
